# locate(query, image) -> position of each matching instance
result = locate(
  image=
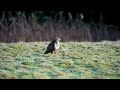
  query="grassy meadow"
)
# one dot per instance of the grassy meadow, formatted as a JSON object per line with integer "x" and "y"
{"x": 74, "y": 60}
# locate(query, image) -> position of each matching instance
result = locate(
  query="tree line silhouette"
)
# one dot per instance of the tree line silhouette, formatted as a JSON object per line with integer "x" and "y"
{"x": 32, "y": 26}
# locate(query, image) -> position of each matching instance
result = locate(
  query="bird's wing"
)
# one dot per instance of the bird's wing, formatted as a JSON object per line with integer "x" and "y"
{"x": 50, "y": 47}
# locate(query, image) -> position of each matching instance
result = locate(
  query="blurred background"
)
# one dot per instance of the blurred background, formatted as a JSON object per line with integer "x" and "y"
{"x": 74, "y": 25}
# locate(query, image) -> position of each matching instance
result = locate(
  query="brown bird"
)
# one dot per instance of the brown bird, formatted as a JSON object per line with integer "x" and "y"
{"x": 53, "y": 46}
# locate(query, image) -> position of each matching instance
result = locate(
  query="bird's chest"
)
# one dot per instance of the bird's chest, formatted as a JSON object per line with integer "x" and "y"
{"x": 57, "y": 45}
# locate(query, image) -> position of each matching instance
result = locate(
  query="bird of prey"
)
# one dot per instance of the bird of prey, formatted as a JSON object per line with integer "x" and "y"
{"x": 53, "y": 46}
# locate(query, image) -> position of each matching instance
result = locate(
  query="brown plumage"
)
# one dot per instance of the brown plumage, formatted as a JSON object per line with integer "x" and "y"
{"x": 53, "y": 46}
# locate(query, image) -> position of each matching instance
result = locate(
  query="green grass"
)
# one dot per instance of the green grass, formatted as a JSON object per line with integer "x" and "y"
{"x": 74, "y": 60}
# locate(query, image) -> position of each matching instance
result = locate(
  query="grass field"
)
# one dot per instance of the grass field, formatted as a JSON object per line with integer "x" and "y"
{"x": 74, "y": 60}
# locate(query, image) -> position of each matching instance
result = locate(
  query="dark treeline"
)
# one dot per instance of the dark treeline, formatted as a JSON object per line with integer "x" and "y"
{"x": 69, "y": 25}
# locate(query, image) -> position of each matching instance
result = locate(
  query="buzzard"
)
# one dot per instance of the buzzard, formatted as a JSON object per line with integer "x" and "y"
{"x": 53, "y": 46}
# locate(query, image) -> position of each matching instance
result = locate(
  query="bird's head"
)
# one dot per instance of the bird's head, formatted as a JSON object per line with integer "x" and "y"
{"x": 58, "y": 39}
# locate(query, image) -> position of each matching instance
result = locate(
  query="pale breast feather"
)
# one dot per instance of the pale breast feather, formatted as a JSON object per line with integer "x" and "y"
{"x": 56, "y": 46}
